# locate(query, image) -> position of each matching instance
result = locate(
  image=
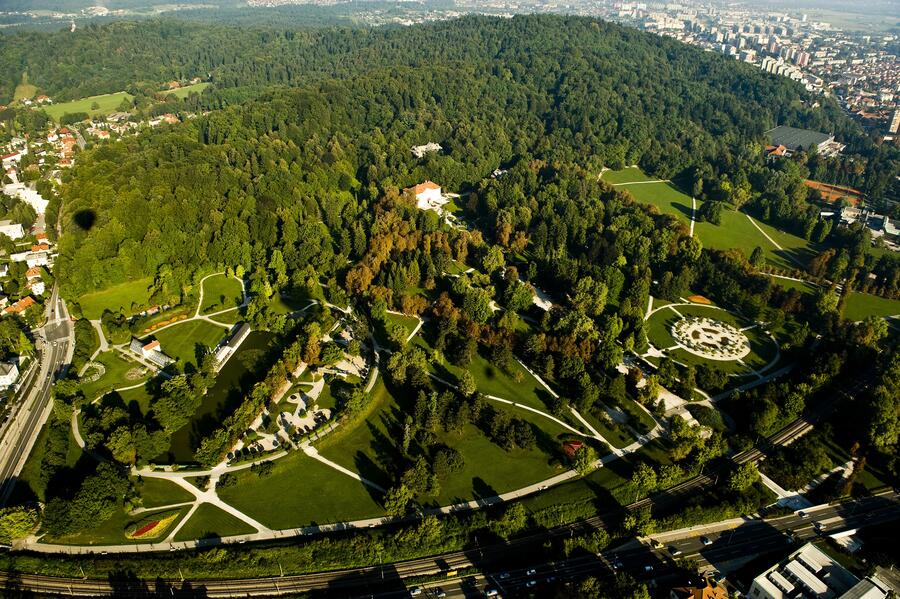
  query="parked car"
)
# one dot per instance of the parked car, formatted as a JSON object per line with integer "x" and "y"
{"x": 674, "y": 551}
{"x": 415, "y": 591}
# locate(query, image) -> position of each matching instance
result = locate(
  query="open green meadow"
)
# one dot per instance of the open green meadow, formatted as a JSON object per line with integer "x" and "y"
{"x": 629, "y": 174}
{"x": 105, "y": 104}
{"x": 801, "y": 286}
{"x": 220, "y": 293}
{"x": 301, "y": 491}
{"x": 128, "y": 297}
{"x": 180, "y": 341}
{"x": 860, "y": 305}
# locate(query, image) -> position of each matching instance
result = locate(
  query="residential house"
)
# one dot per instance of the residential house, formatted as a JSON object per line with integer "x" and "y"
{"x": 12, "y": 230}
{"x": 19, "y": 306}
{"x": 43, "y": 100}
{"x": 32, "y": 259}
{"x": 9, "y": 374}
{"x": 35, "y": 282}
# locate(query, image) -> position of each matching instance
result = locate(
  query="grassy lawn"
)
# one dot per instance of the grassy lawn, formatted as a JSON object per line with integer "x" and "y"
{"x": 408, "y": 323}
{"x": 230, "y": 317}
{"x": 735, "y": 230}
{"x": 369, "y": 448}
{"x": 180, "y": 341}
{"x": 456, "y": 268}
{"x": 157, "y": 492}
{"x": 617, "y": 435}
{"x": 301, "y": 491}
{"x": 220, "y": 293}
{"x": 111, "y": 531}
{"x": 800, "y": 286}
{"x": 860, "y": 305}
{"x": 106, "y": 103}
{"x": 184, "y": 92}
{"x": 629, "y": 174}
{"x": 210, "y": 521}
{"x": 604, "y": 489}
{"x": 490, "y": 380}
{"x": 24, "y": 91}
{"x": 120, "y": 372}
{"x": 117, "y": 297}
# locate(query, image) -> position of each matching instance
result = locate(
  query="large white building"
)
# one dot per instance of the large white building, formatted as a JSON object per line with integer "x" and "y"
{"x": 11, "y": 229}
{"x": 429, "y": 197}
{"x": 9, "y": 374}
{"x": 811, "y": 574}
{"x": 27, "y": 195}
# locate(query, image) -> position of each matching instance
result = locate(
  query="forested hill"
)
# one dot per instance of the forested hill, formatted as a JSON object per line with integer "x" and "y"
{"x": 230, "y": 187}
{"x": 543, "y": 49}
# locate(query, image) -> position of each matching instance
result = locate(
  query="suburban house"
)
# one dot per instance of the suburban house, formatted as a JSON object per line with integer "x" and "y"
{"x": 11, "y": 229}
{"x": 810, "y": 572}
{"x": 19, "y": 306}
{"x": 10, "y": 159}
{"x": 797, "y": 140}
{"x": 150, "y": 351}
{"x": 32, "y": 259}
{"x": 27, "y": 195}
{"x": 43, "y": 100}
{"x": 9, "y": 374}
{"x": 35, "y": 280}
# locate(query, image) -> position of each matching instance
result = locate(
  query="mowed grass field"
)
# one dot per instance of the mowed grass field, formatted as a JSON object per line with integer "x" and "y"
{"x": 180, "y": 341}
{"x": 115, "y": 298}
{"x": 220, "y": 292}
{"x": 106, "y": 103}
{"x": 735, "y": 231}
{"x": 301, "y": 491}
{"x": 860, "y": 305}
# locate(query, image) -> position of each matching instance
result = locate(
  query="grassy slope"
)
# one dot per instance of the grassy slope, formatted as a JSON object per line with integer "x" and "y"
{"x": 117, "y": 297}
{"x": 107, "y": 103}
{"x": 180, "y": 341}
{"x": 184, "y": 92}
{"x": 629, "y": 174}
{"x": 220, "y": 292}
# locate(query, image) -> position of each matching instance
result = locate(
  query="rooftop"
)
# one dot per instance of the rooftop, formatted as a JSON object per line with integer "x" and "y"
{"x": 794, "y": 139}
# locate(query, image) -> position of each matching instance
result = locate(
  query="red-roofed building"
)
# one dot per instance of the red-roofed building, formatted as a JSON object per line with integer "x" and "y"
{"x": 571, "y": 447}
{"x": 33, "y": 273}
{"x": 20, "y": 306}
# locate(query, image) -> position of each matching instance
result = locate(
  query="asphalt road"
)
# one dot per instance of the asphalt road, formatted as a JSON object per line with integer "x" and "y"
{"x": 34, "y": 406}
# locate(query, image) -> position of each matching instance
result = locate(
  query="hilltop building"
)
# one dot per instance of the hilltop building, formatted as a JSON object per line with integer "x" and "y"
{"x": 796, "y": 140}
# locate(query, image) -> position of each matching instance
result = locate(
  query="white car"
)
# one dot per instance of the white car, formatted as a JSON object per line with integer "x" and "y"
{"x": 706, "y": 541}
{"x": 415, "y": 592}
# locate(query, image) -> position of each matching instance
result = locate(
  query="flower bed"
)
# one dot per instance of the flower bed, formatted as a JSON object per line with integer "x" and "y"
{"x": 152, "y": 526}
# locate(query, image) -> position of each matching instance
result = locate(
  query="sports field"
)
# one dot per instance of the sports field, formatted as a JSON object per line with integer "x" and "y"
{"x": 105, "y": 104}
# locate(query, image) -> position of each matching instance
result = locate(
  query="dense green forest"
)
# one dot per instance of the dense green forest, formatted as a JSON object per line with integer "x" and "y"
{"x": 233, "y": 185}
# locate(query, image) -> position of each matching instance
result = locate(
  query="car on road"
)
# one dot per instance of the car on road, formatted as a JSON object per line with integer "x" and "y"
{"x": 439, "y": 593}
{"x": 648, "y": 569}
{"x": 415, "y": 591}
{"x": 531, "y": 584}
{"x": 530, "y": 572}
{"x": 803, "y": 515}
{"x": 656, "y": 544}
{"x": 674, "y": 551}
{"x": 616, "y": 563}
{"x": 706, "y": 541}
{"x": 491, "y": 593}
{"x": 503, "y": 575}
{"x": 820, "y": 526}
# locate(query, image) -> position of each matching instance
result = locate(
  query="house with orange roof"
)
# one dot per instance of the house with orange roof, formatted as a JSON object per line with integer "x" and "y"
{"x": 19, "y": 306}
{"x": 428, "y": 196}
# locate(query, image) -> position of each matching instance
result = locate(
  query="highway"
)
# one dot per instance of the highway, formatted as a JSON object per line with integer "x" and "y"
{"x": 55, "y": 344}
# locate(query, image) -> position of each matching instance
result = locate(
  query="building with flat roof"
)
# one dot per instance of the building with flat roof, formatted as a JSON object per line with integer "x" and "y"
{"x": 812, "y": 574}
{"x": 796, "y": 140}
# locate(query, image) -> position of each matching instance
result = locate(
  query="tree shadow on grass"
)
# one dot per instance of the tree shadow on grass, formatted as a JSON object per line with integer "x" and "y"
{"x": 369, "y": 470}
